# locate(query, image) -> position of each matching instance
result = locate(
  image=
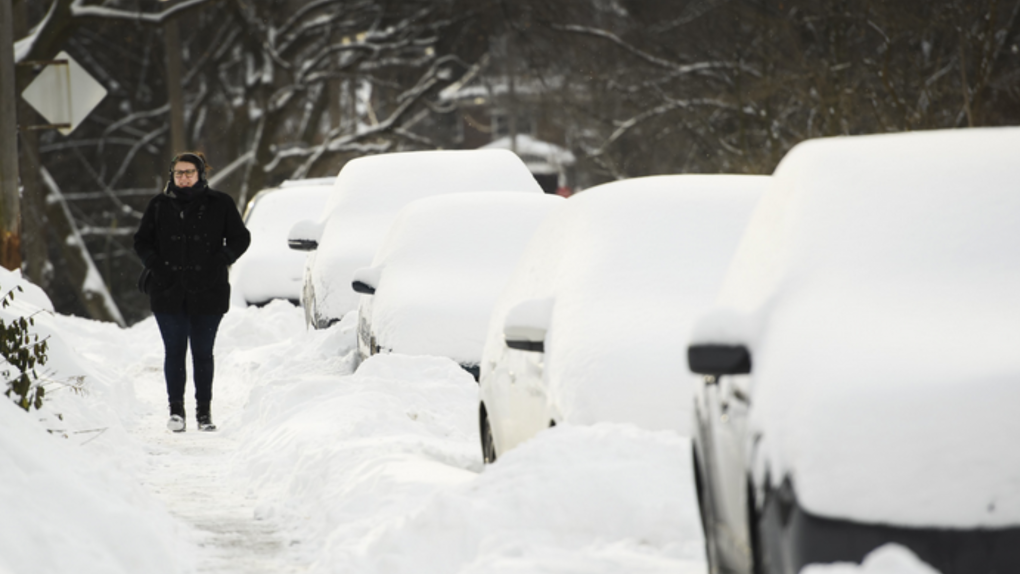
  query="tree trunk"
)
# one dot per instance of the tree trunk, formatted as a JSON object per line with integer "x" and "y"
{"x": 88, "y": 283}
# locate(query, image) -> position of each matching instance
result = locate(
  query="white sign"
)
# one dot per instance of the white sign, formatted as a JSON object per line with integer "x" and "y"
{"x": 64, "y": 94}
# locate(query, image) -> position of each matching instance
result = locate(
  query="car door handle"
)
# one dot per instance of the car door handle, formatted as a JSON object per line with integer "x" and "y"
{"x": 740, "y": 396}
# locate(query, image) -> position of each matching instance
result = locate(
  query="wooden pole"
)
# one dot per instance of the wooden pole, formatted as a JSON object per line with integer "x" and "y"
{"x": 10, "y": 237}
{"x": 34, "y": 249}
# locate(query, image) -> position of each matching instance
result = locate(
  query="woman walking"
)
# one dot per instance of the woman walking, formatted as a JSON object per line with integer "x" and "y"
{"x": 188, "y": 236}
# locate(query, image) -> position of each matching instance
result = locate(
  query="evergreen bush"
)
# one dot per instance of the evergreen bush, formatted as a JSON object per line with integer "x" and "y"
{"x": 21, "y": 351}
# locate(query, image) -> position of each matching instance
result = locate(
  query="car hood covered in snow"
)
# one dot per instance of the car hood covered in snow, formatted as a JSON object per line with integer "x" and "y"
{"x": 899, "y": 408}
{"x": 878, "y": 288}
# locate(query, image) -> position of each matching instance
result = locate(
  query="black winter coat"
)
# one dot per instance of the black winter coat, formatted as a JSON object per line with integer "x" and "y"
{"x": 188, "y": 246}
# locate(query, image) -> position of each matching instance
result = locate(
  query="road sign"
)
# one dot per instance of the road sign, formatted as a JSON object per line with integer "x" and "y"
{"x": 64, "y": 93}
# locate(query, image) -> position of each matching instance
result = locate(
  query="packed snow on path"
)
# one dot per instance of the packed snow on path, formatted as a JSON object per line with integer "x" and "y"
{"x": 316, "y": 469}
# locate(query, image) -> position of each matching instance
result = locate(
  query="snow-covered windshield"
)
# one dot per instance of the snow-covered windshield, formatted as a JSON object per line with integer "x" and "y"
{"x": 444, "y": 262}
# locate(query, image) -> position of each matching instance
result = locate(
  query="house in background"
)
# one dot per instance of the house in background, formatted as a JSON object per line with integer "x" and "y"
{"x": 501, "y": 111}
{"x": 549, "y": 163}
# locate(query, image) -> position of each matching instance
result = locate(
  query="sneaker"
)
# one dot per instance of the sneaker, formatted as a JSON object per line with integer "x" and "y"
{"x": 177, "y": 421}
{"x": 204, "y": 418}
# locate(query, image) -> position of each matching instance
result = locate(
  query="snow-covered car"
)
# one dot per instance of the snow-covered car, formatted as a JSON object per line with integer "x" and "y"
{"x": 861, "y": 368}
{"x": 367, "y": 195}
{"x": 269, "y": 269}
{"x": 593, "y": 323}
{"x": 436, "y": 276}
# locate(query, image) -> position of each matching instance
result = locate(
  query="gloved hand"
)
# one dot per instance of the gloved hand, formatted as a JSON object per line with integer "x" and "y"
{"x": 221, "y": 259}
{"x": 159, "y": 267}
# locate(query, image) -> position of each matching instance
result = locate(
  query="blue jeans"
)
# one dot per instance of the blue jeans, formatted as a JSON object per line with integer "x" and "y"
{"x": 177, "y": 330}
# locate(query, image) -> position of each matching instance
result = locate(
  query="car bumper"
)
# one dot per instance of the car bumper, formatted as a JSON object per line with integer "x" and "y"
{"x": 791, "y": 537}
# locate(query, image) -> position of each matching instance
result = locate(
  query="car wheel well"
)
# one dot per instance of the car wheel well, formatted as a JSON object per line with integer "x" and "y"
{"x": 485, "y": 435}
{"x": 699, "y": 488}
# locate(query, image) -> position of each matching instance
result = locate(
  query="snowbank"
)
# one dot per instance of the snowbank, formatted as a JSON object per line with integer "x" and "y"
{"x": 61, "y": 512}
{"x": 378, "y": 471}
{"x": 605, "y": 498}
{"x": 68, "y": 502}
{"x": 334, "y": 471}
{"x": 888, "y": 559}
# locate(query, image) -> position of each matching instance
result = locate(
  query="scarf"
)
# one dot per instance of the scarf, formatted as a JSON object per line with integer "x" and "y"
{"x": 186, "y": 194}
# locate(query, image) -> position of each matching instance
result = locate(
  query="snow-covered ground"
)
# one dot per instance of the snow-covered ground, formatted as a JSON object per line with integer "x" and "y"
{"x": 316, "y": 469}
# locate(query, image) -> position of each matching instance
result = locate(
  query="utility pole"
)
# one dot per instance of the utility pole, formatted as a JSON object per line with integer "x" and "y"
{"x": 10, "y": 210}
{"x": 34, "y": 249}
{"x": 172, "y": 46}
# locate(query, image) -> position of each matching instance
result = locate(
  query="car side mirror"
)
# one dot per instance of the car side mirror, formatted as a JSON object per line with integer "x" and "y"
{"x": 304, "y": 236}
{"x": 712, "y": 359}
{"x": 526, "y": 325}
{"x": 366, "y": 279}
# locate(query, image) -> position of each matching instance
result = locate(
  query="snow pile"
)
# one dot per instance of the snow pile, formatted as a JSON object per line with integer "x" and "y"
{"x": 316, "y": 469}
{"x": 60, "y": 511}
{"x": 367, "y": 196}
{"x": 629, "y": 266}
{"x": 443, "y": 264}
{"x": 68, "y": 500}
{"x": 377, "y": 471}
{"x": 888, "y": 559}
{"x": 340, "y": 456}
{"x": 583, "y": 499}
{"x": 876, "y": 287}
{"x": 270, "y": 269}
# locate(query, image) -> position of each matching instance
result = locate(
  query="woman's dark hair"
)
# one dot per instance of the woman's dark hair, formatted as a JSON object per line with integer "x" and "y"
{"x": 195, "y": 158}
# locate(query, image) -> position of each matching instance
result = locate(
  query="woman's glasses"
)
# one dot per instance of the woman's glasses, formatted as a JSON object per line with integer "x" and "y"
{"x": 185, "y": 172}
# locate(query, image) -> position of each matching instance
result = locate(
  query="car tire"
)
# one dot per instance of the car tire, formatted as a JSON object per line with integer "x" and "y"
{"x": 488, "y": 442}
{"x": 765, "y": 525}
{"x": 707, "y": 516}
{"x": 758, "y": 565}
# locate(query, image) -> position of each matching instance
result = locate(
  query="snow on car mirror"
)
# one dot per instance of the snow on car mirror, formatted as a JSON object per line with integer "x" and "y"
{"x": 304, "y": 236}
{"x": 712, "y": 359}
{"x": 526, "y": 325}
{"x": 720, "y": 341}
{"x": 366, "y": 279}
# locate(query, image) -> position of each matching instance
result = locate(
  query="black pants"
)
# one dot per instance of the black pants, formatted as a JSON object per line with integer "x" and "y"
{"x": 177, "y": 330}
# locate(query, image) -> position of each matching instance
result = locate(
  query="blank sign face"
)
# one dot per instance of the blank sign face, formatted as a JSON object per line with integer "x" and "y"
{"x": 64, "y": 93}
